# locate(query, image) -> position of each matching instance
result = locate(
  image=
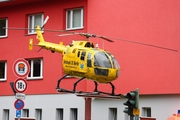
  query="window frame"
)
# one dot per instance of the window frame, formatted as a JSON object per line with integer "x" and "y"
{"x": 33, "y": 23}
{"x": 112, "y": 113}
{"x": 59, "y": 114}
{"x": 5, "y": 71}
{"x": 31, "y": 69}
{"x": 73, "y": 113}
{"x": 6, "y": 30}
{"x": 146, "y": 111}
{"x": 38, "y": 114}
{"x": 71, "y": 19}
{"x": 6, "y": 114}
{"x": 25, "y": 112}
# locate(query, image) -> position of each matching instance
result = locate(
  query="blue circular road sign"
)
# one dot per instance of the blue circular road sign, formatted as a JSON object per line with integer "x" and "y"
{"x": 19, "y": 104}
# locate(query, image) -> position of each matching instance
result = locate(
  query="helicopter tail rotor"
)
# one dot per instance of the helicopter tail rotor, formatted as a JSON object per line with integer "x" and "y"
{"x": 30, "y": 44}
{"x": 45, "y": 21}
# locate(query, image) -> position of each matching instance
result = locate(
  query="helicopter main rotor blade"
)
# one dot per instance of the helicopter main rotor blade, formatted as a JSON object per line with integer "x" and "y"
{"x": 65, "y": 35}
{"x": 87, "y": 35}
{"x": 49, "y": 30}
{"x": 150, "y": 45}
{"x": 109, "y": 40}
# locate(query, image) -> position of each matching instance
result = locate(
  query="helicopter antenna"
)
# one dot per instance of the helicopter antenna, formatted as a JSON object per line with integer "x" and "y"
{"x": 97, "y": 43}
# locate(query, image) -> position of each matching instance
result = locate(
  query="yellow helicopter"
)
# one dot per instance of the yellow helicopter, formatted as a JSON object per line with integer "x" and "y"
{"x": 82, "y": 59}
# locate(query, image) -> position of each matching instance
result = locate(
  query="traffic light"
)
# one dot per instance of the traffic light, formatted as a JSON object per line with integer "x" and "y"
{"x": 132, "y": 103}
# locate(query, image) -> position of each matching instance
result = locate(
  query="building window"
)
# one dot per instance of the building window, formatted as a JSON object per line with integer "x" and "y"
{"x": 33, "y": 21}
{"x": 74, "y": 114}
{"x": 59, "y": 114}
{"x": 74, "y": 19}
{"x": 112, "y": 113}
{"x": 3, "y": 72}
{"x": 146, "y": 111}
{"x": 3, "y": 24}
{"x": 36, "y": 68}
{"x": 25, "y": 113}
{"x": 38, "y": 114}
{"x": 5, "y": 114}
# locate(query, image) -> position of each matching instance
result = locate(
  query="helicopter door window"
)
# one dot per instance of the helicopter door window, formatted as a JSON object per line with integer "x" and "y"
{"x": 78, "y": 53}
{"x": 33, "y": 21}
{"x": 3, "y": 32}
{"x": 83, "y": 54}
{"x": 89, "y": 60}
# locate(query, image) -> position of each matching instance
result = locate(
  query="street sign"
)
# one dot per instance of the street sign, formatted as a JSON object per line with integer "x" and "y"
{"x": 18, "y": 113}
{"x": 20, "y": 96}
{"x": 19, "y": 104}
{"x": 21, "y": 68}
{"x": 20, "y": 85}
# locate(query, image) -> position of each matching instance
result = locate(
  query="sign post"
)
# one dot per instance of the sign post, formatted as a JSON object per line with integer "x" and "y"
{"x": 21, "y": 69}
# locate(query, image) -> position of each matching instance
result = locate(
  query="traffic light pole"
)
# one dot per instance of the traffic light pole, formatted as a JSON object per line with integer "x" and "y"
{"x": 131, "y": 117}
{"x": 136, "y": 117}
{"x": 132, "y": 104}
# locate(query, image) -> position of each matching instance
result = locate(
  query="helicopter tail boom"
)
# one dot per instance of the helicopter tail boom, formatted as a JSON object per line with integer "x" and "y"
{"x": 53, "y": 47}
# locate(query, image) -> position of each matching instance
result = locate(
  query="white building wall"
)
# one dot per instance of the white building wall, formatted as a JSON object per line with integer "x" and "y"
{"x": 162, "y": 106}
{"x": 48, "y": 104}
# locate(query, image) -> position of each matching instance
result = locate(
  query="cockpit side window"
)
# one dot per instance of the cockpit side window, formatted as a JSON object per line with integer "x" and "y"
{"x": 114, "y": 61}
{"x": 89, "y": 60}
{"x": 102, "y": 60}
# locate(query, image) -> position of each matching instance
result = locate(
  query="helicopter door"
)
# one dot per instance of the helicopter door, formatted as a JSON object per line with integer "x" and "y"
{"x": 83, "y": 64}
{"x": 89, "y": 60}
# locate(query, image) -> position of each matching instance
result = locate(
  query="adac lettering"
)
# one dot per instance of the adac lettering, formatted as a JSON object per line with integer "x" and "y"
{"x": 71, "y": 62}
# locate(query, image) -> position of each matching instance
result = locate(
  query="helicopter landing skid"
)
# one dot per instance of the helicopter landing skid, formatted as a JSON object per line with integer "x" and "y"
{"x": 59, "y": 89}
{"x": 96, "y": 93}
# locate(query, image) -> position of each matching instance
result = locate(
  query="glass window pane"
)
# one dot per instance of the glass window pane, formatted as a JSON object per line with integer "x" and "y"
{"x": 37, "y": 68}
{"x": 33, "y": 21}
{"x": 2, "y": 70}
{"x": 38, "y": 20}
{"x": 68, "y": 19}
{"x": 30, "y": 23}
{"x": 5, "y": 114}
{"x": 2, "y": 24}
{"x": 77, "y": 18}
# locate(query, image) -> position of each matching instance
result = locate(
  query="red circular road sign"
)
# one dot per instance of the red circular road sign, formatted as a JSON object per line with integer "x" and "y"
{"x": 19, "y": 104}
{"x": 20, "y": 85}
{"x": 21, "y": 68}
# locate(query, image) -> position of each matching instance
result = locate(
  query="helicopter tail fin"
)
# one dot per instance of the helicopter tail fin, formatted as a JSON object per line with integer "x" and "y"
{"x": 39, "y": 34}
